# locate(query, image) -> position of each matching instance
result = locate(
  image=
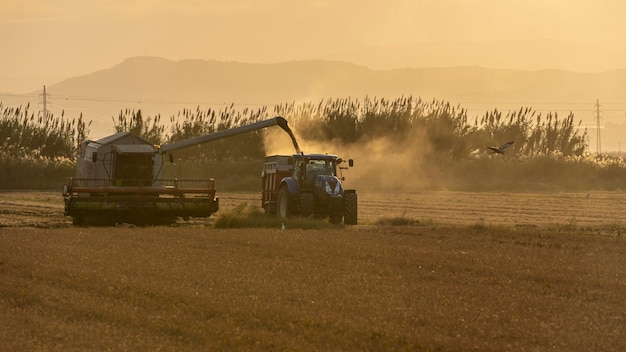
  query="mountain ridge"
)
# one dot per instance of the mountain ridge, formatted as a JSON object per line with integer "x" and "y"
{"x": 158, "y": 78}
{"x": 526, "y": 54}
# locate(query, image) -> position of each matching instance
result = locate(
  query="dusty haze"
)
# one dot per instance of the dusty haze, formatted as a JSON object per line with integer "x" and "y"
{"x": 45, "y": 42}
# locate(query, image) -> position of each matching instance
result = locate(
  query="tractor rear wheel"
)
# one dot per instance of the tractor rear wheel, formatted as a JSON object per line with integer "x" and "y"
{"x": 350, "y": 208}
{"x": 283, "y": 207}
{"x": 307, "y": 205}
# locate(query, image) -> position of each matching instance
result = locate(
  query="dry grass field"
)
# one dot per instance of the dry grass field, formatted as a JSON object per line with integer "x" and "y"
{"x": 475, "y": 271}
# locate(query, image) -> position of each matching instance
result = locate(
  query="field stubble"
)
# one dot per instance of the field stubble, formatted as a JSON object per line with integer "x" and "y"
{"x": 593, "y": 210}
{"x": 454, "y": 283}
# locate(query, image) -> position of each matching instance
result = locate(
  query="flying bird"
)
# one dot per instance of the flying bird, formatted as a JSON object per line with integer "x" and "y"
{"x": 501, "y": 149}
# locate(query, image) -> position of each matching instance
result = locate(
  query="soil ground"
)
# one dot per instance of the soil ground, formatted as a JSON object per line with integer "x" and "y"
{"x": 477, "y": 271}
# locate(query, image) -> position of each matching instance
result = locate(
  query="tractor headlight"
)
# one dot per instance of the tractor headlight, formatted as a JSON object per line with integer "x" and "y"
{"x": 328, "y": 189}
{"x": 331, "y": 191}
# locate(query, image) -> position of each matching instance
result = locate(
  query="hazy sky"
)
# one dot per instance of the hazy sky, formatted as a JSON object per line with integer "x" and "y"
{"x": 75, "y": 37}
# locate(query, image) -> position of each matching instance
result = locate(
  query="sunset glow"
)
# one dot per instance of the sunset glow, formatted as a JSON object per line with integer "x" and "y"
{"x": 73, "y": 37}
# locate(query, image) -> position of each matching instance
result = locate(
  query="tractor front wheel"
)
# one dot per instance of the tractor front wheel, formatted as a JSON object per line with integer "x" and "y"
{"x": 350, "y": 208}
{"x": 307, "y": 205}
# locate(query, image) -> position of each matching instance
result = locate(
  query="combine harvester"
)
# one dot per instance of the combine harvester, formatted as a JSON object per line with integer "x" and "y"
{"x": 120, "y": 179}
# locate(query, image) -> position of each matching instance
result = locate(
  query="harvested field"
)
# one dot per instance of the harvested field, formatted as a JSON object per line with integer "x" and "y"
{"x": 592, "y": 210}
{"x": 589, "y": 210}
{"x": 481, "y": 271}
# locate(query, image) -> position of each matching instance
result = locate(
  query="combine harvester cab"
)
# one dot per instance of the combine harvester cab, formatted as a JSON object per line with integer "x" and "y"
{"x": 308, "y": 185}
{"x": 119, "y": 179}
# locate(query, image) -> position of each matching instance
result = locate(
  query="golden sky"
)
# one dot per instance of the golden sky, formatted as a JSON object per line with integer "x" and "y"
{"x": 75, "y": 37}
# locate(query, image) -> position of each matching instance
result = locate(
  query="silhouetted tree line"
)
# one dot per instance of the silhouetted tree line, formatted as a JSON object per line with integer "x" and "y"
{"x": 450, "y": 142}
{"x": 133, "y": 121}
{"x": 189, "y": 123}
{"x": 445, "y": 127}
{"x": 37, "y": 150}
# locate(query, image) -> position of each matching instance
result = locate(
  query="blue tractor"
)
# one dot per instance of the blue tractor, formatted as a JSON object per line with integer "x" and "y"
{"x": 308, "y": 185}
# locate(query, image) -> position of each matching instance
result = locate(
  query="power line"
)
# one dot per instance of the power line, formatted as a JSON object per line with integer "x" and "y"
{"x": 176, "y": 101}
{"x": 474, "y": 107}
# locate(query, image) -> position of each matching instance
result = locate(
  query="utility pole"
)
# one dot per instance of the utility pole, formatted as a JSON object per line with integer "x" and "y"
{"x": 598, "y": 141}
{"x": 44, "y": 97}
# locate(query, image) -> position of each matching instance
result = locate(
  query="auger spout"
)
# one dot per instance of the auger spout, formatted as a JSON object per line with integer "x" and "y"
{"x": 276, "y": 121}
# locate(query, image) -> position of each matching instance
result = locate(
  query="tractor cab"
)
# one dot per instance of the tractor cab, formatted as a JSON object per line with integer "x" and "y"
{"x": 308, "y": 167}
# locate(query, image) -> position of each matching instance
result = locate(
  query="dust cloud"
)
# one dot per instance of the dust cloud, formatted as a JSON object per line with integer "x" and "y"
{"x": 380, "y": 164}
{"x": 383, "y": 164}
{"x": 278, "y": 142}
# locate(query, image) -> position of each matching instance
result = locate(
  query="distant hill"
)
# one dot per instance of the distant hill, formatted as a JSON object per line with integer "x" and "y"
{"x": 535, "y": 54}
{"x": 213, "y": 81}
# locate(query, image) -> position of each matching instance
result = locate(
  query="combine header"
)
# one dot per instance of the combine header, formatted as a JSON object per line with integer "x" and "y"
{"x": 119, "y": 179}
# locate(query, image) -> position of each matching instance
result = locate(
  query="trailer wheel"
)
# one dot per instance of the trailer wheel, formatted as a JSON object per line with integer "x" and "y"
{"x": 350, "y": 208}
{"x": 307, "y": 204}
{"x": 283, "y": 208}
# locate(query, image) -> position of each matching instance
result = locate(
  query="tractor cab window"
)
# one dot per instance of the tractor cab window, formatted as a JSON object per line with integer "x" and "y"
{"x": 319, "y": 167}
{"x": 297, "y": 169}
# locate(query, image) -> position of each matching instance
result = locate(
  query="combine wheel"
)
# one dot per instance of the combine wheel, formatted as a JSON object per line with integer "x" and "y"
{"x": 307, "y": 204}
{"x": 283, "y": 208}
{"x": 350, "y": 208}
